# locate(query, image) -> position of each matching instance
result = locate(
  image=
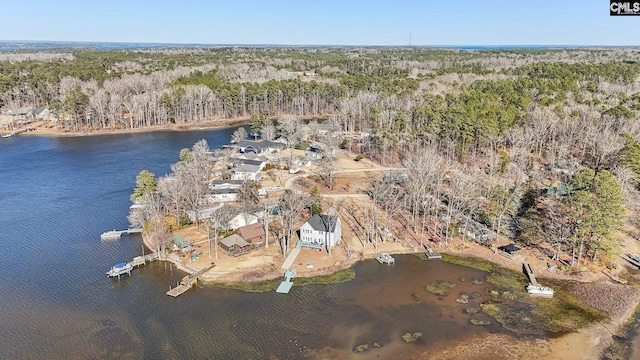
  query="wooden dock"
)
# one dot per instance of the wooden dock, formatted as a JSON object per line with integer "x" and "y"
{"x": 187, "y": 282}
{"x": 143, "y": 260}
{"x": 116, "y": 234}
{"x": 431, "y": 254}
{"x": 137, "y": 262}
{"x": 529, "y": 272}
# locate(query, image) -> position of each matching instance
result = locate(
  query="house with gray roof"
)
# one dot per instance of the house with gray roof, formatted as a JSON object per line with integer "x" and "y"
{"x": 321, "y": 230}
{"x": 222, "y": 195}
{"x": 258, "y": 147}
{"x": 225, "y": 184}
{"x": 246, "y": 172}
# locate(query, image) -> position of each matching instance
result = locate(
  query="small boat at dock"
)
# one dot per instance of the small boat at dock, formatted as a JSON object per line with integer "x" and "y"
{"x": 539, "y": 290}
{"x": 120, "y": 269}
{"x": 384, "y": 258}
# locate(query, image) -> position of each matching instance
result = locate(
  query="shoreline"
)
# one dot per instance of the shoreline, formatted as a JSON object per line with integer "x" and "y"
{"x": 46, "y": 128}
{"x": 588, "y": 342}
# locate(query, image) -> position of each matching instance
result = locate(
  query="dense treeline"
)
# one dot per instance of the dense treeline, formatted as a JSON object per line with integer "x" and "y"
{"x": 475, "y": 93}
{"x": 483, "y": 134}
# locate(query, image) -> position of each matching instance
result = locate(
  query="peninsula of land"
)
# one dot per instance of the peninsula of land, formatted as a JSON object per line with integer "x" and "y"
{"x": 532, "y": 151}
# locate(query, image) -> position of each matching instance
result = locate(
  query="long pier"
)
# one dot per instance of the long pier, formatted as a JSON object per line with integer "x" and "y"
{"x": 143, "y": 260}
{"x": 529, "y": 272}
{"x": 116, "y": 234}
{"x": 187, "y": 282}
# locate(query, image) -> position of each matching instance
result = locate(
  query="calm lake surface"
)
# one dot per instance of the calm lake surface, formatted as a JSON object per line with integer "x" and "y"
{"x": 57, "y": 195}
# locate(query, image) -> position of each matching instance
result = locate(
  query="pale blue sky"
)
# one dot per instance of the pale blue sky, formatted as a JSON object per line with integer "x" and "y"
{"x": 321, "y": 22}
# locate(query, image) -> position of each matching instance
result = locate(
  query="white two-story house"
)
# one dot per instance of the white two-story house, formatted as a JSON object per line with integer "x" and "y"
{"x": 320, "y": 230}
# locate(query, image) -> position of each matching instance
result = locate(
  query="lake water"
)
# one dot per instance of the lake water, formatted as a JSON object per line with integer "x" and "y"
{"x": 57, "y": 195}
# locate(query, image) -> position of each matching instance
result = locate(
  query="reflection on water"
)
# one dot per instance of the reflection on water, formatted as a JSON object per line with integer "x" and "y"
{"x": 58, "y": 194}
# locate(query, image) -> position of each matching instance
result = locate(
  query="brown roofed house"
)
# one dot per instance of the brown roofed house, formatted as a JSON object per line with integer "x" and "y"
{"x": 253, "y": 233}
{"x": 234, "y": 245}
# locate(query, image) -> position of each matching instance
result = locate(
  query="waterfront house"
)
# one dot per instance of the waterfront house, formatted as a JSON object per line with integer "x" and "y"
{"x": 28, "y": 114}
{"x": 234, "y": 245}
{"x": 246, "y": 172}
{"x": 476, "y": 231}
{"x": 204, "y": 213}
{"x": 258, "y": 147}
{"x": 223, "y": 195}
{"x": 242, "y": 219}
{"x": 253, "y": 233}
{"x": 321, "y": 230}
{"x": 225, "y": 184}
{"x": 251, "y": 156}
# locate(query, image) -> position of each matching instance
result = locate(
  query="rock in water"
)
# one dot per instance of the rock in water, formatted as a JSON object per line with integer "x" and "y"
{"x": 409, "y": 337}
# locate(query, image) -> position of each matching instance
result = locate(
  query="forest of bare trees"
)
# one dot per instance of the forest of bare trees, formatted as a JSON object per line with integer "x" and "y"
{"x": 481, "y": 135}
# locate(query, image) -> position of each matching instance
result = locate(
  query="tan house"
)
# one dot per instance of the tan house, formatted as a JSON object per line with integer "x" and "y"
{"x": 253, "y": 234}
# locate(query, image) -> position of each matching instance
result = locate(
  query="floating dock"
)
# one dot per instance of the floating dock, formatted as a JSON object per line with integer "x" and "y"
{"x": 187, "y": 282}
{"x": 116, "y": 234}
{"x": 431, "y": 254}
{"x": 286, "y": 285}
{"x": 384, "y": 258}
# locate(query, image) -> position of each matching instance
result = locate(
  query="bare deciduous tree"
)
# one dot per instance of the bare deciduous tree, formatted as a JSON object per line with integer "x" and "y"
{"x": 292, "y": 206}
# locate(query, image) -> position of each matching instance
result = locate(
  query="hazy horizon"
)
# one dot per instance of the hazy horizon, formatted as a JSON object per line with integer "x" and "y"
{"x": 327, "y": 23}
{"x": 186, "y": 44}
